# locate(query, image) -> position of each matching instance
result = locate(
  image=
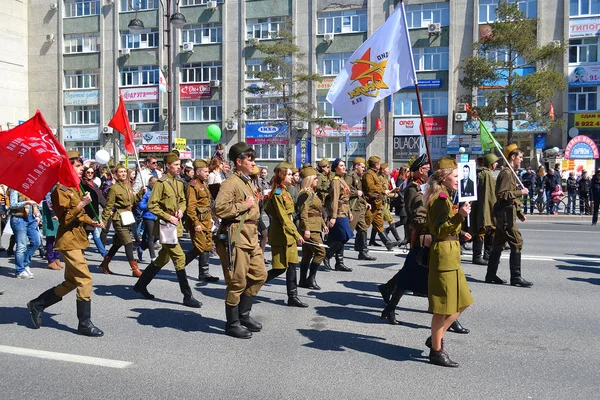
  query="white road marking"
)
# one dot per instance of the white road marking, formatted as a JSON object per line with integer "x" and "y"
{"x": 50, "y": 355}
{"x": 555, "y": 231}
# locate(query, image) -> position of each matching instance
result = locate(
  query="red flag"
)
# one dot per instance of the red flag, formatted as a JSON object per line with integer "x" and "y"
{"x": 120, "y": 121}
{"x": 33, "y": 160}
{"x": 551, "y": 112}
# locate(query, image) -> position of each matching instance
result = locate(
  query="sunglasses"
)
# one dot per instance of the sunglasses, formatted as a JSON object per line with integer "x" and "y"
{"x": 89, "y": 172}
{"x": 153, "y": 163}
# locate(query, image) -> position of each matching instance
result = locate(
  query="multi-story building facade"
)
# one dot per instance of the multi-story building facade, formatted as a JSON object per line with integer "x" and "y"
{"x": 75, "y": 57}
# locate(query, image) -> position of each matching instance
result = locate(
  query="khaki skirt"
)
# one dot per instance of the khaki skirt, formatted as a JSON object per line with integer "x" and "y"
{"x": 282, "y": 256}
{"x": 387, "y": 214}
{"x": 448, "y": 291}
{"x": 123, "y": 232}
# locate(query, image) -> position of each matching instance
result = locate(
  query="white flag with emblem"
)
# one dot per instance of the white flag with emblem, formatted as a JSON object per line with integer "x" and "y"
{"x": 162, "y": 82}
{"x": 380, "y": 67}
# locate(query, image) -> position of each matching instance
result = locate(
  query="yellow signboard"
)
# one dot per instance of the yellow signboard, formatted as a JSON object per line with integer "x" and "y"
{"x": 180, "y": 144}
{"x": 587, "y": 120}
{"x": 325, "y": 83}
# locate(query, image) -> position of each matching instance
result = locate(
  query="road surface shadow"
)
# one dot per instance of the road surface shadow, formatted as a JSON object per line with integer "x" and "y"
{"x": 328, "y": 340}
{"x": 345, "y": 299}
{"x": 582, "y": 268}
{"x": 593, "y": 281}
{"x": 360, "y": 286}
{"x": 21, "y": 317}
{"x": 584, "y": 256}
{"x": 359, "y": 315}
{"x": 219, "y": 294}
{"x": 182, "y": 320}
{"x": 126, "y": 292}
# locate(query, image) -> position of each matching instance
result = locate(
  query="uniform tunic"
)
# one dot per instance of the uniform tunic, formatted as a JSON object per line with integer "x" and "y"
{"x": 482, "y": 216}
{"x": 385, "y": 212}
{"x": 375, "y": 195}
{"x": 322, "y": 188}
{"x": 311, "y": 219}
{"x": 198, "y": 212}
{"x": 339, "y": 196}
{"x": 448, "y": 289}
{"x": 283, "y": 234}
{"x": 248, "y": 272}
{"x": 358, "y": 205}
{"x": 507, "y": 209}
{"x": 120, "y": 198}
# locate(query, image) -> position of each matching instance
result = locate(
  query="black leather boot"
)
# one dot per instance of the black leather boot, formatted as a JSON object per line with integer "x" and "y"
{"x": 363, "y": 250}
{"x": 203, "y": 274}
{"x": 488, "y": 239}
{"x": 515, "y": 271}
{"x": 274, "y": 273}
{"x": 372, "y": 242}
{"x": 392, "y": 228}
{"x": 386, "y": 242}
{"x": 233, "y": 327}
{"x": 456, "y": 327}
{"x": 246, "y": 320}
{"x": 303, "y": 272}
{"x": 339, "y": 261}
{"x": 477, "y": 253}
{"x": 191, "y": 256}
{"x": 37, "y": 306}
{"x": 292, "y": 288}
{"x": 441, "y": 358}
{"x": 147, "y": 276}
{"x": 492, "y": 269}
{"x": 389, "y": 312}
{"x": 84, "y": 313}
{"x": 188, "y": 298}
{"x": 311, "y": 282}
{"x": 333, "y": 248}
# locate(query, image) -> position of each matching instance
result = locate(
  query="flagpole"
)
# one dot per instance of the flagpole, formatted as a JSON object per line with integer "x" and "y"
{"x": 423, "y": 123}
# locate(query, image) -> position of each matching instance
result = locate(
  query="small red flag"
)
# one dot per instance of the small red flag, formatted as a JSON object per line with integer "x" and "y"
{"x": 120, "y": 122}
{"x": 33, "y": 160}
{"x": 551, "y": 112}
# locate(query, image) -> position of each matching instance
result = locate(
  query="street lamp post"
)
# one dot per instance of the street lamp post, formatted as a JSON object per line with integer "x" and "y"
{"x": 136, "y": 26}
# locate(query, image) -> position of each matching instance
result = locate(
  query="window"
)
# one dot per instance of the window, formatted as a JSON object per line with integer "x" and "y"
{"x": 325, "y": 108}
{"x": 584, "y": 7}
{"x": 142, "y": 113}
{"x": 201, "y": 148}
{"x": 422, "y": 15}
{"x": 434, "y": 103}
{"x": 333, "y": 148}
{"x": 201, "y": 111}
{"x": 196, "y": 2}
{"x": 583, "y": 98}
{"x": 139, "y": 76}
{"x": 431, "y": 58}
{"x": 203, "y": 33}
{"x": 504, "y": 56}
{"x": 82, "y": 43}
{"x": 264, "y": 108}
{"x": 82, "y": 115}
{"x": 583, "y": 50}
{"x": 332, "y": 64}
{"x": 86, "y": 150}
{"x": 147, "y": 39}
{"x": 81, "y": 8}
{"x": 201, "y": 72}
{"x": 82, "y": 79}
{"x": 487, "y": 9}
{"x": 132, "y": 5}
{"x": 264, "y": 28}
{"x": 482, "y": 100}
{"x": 269, "y": 151}
{"x": 255, "y": 65}
{"x": 342, "y": 22}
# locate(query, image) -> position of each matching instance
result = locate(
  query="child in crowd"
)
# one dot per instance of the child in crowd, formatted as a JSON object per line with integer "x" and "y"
{"x": 557, "y": 196}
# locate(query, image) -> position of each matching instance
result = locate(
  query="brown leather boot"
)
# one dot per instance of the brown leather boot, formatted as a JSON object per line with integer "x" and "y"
{"x": 135, "y": 271}
{"x": 104, "y": 265}
{"x": 53, "y": 266}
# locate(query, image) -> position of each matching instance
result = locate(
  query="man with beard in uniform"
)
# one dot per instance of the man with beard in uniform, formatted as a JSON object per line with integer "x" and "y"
{"x": 359, "y": 207}
{"x": 482, "y": 220}
{"x": 375, "y": 194}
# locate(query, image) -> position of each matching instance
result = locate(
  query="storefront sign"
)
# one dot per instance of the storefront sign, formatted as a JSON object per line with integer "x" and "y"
{"x": 325, "y": 84}
{"x": 581, "y": 147}
{"x": 357, "y": 148}
{"x": 584, "y": 27}
{"x": 266, "y": 132}
{"x": 303, "y": 151}
{"x": 77, "y": 134}
{"x": 156, "y": 141}
{"x": 587, "y": 120}
{"x": 81, "y": 97}
{"x": 149, "y": 93}
{"x": 412, "y": 126}
{"x": 180, "y": 144}
{"x": 407, "y": 146}
{"x": 588, "y": 75}
{"x": 502, "y": 126}
{"x": 428, "y": 84}
{"x": 471, "y": 144}
{"x": 195, "y": 91}
{"x": 154, "y": 148}
{"x": 343, "y": 129}
{"x": 539, "y": 141}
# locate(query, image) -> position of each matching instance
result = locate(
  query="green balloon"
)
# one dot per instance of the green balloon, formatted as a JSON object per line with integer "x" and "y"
{"x": 213, "y": 132}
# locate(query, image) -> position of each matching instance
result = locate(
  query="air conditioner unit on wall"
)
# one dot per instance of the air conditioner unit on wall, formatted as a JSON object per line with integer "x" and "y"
{"x": 460, "y": 117}
{"x": 188, "y": 47}
{"x": 232, "y": 126}
{"x": 212, "y": 4}
{"x": 434, "y": 28}
{"x": 301, "y": 125}
{"x": 54, "y": 6}
{"x": 461, "y": 107}
{"x": 125, "y": 52}
{"x": 107, "y": 129}
{"x": 328, "y": 37}
{"x": 215, "y": 83}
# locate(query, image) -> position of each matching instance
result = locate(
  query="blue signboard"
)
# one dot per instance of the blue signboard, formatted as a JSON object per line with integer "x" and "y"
{"x": 266, "y": 132}
{"x": 428, "y": 84}
{"x": 303, "y": 151}
{"x": 539, "y": 141}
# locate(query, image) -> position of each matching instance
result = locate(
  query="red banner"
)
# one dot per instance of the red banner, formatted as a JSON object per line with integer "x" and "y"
{"x": 120, "y": 122}
{"x": 195, "y": 91}
{"x": 33, "y": 160}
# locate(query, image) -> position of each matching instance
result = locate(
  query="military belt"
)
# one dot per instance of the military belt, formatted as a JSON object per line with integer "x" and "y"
{"x": 313, "y": 214}
{"x": 447, "y": 239}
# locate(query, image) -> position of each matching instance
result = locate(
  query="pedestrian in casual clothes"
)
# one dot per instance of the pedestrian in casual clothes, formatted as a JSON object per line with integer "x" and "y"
{"x": 49, "y": 229}
{"x": 24, "y": 220}
{"x": 4, "y": 206}
{"x": 595, "y": 195}
{"x": 572, "y": 187}
{"x": 584, "y": 194}
{"x": 539, "y": 187}
{"x": 93, "y": 209}
{"x": 557, "y": 196}
{"x": 148, "y": 220}
{"x": 528, "y": 180}
{"x": 550, "y": 181}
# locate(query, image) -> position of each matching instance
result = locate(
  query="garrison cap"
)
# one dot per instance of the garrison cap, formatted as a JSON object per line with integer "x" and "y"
{"x": 444, "y": 163}
{"x": 359, "y": 160}
{"x": 255, "y": 171}
{"x": 374, "y": 159}
{"x": 73, "y": 154}
{"x": 237, "y": 149}
{"x": 323, "y": 163}
{"x": 308, "y": 171}
{"x": 200, "y": 163}
{"x": 306, "y": 165}
{"x": 490, "y": 158}
{"x": 171, "y": 158}
{"x": 120, "y": 166}
{"x": 419, "y": 162}
{"x": 509, "y": 149}
{"x": 283, "y": 165}
{"x": 384, "y": 165}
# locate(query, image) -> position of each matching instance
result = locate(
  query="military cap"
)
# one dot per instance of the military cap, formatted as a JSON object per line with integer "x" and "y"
{"x": 176, "y": 152}
{"x": 308, "y": 171}
{"x": 294, "y": 170}
{"x": 335, "y": 163}
{"x": 509, "y": 149}
{"x": 323, "y": 163}
{"x": 120, "y": 166}
{"x": 418, "y": 162}
{"x": 374, "y": 160}
{"x": 200, "y": 163}
{"x": 359, "y": 160}
{"x": 283, "y": 165}
{"x": 171, "y": 158}
{"x": 307, "y": 165}
{"x": 73, "y": 154}
{"x": 490, "y": 158}
{"x": 237, "y": 149}
{"x": 444, "y": 163}
{"x": 255, "y": 171}
{"x": 384, "y": 165}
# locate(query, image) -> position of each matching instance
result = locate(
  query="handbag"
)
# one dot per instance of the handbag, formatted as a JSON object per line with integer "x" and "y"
{"x": 422, "y": 256}
{"x": 168, "y": 232}
{"x": 127, "y": 218}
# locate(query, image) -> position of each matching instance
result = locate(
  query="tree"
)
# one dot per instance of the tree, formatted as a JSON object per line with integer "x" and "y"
{"x": 504, "y": 63}
{"x": 284, "y": 79}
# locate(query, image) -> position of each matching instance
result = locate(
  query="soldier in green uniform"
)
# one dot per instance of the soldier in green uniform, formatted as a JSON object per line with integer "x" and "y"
{"x": 506, "y": 211}
{"x": 71, "y": 240}
{"x": 375, "y": 194}
{"x": 384, "y": 176}
{"x": 449, "y": 293}
{"x": 324, "y": 169}
{"x": 310, "y": 225}
{"x": 199, "y": 220}
{"x": 358, "y": 207}
{"x": 167, "y": 202}
{"x": 283, "y": 235}
{"x": 482, "y": 221}
{"x": 120, "y": 199}
{"x": 237, "y": 243}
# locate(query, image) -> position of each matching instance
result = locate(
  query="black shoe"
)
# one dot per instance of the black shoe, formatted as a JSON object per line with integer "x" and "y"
{"x": 327, "y": 264}
{"x": 37, "y": 306}
{"x": 342, "y": 268}
{"x": 390, "y": 315}
{"x": 456, "y": 327}
{"x": 363, "y": 255}
{"x": 207, "y": 278}
{"x": 233, "y": 327}
{"x": 147, "y": 276}
{"x": 184, "y": 286}
{"x": 441, "y": 358}
{"x": 86, "y": 327}
{"x": 246, "y": 320}
{"x": 520, "y": 282}
{"x": 294, "y": 301}
{"x": 479, "y": 261}
{"x": 311, "y": 283}
{"x": 385, "y": 292}
{"x": 428, "y": 342}
{"x": 496, "y": 280}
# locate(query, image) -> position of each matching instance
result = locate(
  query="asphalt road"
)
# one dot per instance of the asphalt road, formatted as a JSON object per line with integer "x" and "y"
{"x": 537, "y": 343}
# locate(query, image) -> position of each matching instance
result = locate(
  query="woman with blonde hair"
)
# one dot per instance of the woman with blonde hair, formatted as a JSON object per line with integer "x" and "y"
{"x": 449, "y": 293}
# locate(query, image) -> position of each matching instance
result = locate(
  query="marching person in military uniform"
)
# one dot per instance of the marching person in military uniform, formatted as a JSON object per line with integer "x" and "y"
{"x": 375, "y": 194}
{"x": 482, "y": 220}
{"x": 237, "y": 243}
{"x": 283, "y": 235}
{"x": 167, "y": 202}
{"x": 506, "y": 211}
{"x": 324, "y": 169}
{"x": 384, "y": 176}
{"x": 310, "y": 225}
{"x": 339, "y": 218}
{"x": 358, "y": 207}
{"x": 120, "y": 199}
{"x": 199, "y": 220}
{"x": 449, "y": 293}
{"x": 71, "y": 240}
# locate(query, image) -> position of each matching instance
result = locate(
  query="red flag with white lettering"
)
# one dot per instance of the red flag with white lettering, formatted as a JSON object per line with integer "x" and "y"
{"x": 120, "y": 121}
{"x": 33, "y": 160}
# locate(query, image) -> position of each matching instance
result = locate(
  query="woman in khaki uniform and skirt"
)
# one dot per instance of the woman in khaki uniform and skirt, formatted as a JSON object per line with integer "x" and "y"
{"x": 449, "y": 294}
